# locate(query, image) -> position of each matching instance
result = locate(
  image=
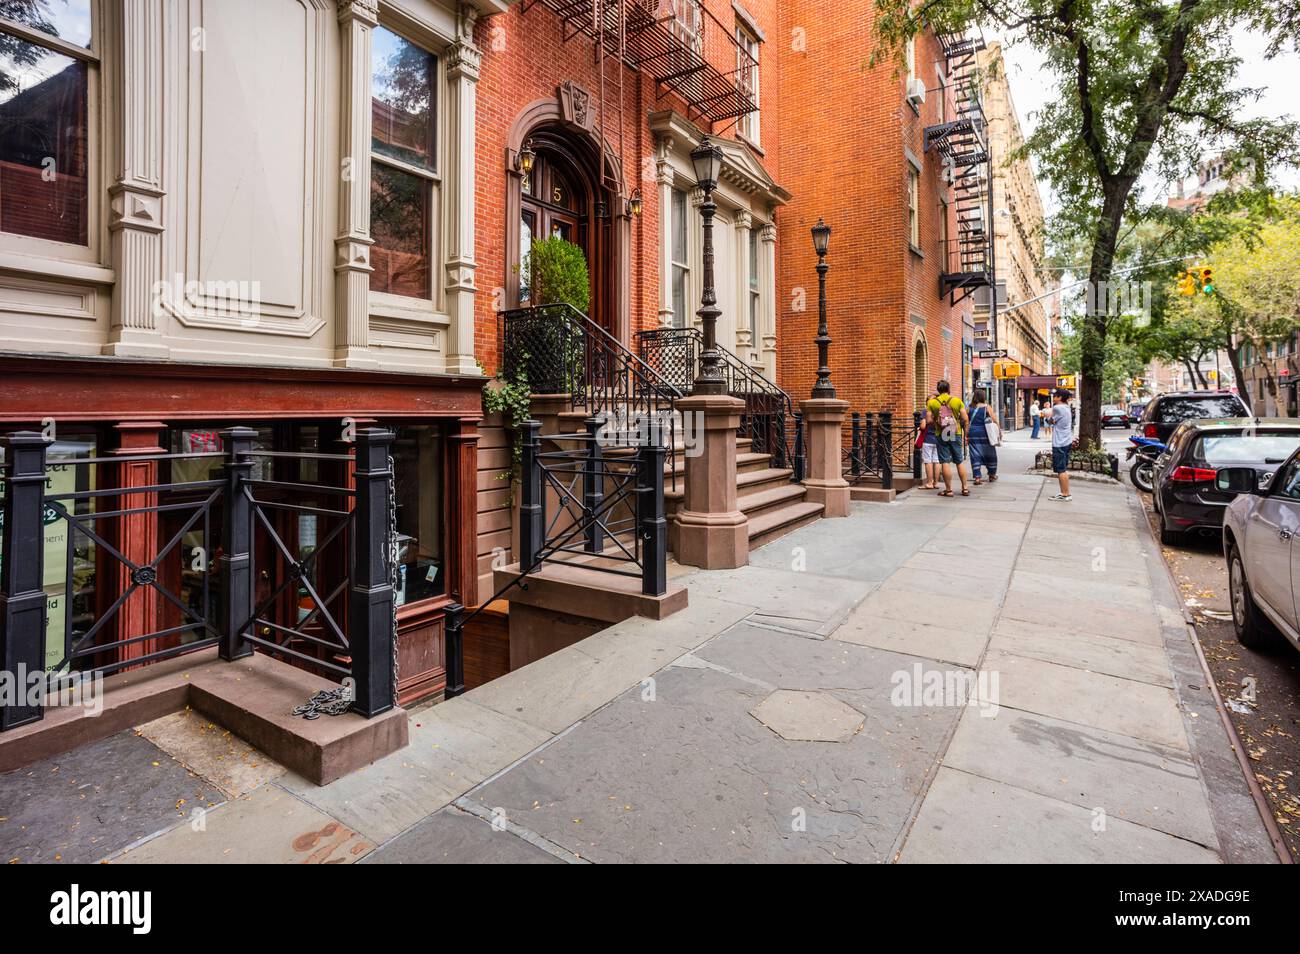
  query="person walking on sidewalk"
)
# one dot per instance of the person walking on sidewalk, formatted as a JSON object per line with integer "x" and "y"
{"x": 983, "y": 449}
{"x": 948, "y": 417}
{"x": 1035, "y": 418}
{"x": 1062, "y": 439}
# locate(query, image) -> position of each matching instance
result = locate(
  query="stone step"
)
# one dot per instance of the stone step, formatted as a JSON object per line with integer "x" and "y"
{"x": 775, "y": 524}
{"x": 750, "y": 482}
{"x": 773, "y": 498}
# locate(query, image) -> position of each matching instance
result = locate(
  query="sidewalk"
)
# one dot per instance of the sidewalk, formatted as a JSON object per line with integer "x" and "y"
{"x": 807, "y": 708}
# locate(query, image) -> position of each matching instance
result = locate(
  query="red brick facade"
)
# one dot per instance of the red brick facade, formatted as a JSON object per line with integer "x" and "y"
{"x": 846, "y": 153}
{"x": 525, "y": 61}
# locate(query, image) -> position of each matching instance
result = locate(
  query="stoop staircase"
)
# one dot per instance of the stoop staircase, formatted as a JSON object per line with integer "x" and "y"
{"x": 559, "y": 350}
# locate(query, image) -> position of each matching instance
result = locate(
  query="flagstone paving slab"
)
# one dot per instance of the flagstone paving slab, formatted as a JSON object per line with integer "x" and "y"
{"x": 1089, "y": 698}
{"x": 1097, "y": 653}
{"x": 212, "y": 751}
{"x": 267, "y": 826}
{"x": 962, "y": 645}
{"x": 453, "y": 747}
{"x": 967, "y": 819}
{"x": 801, "y": 601}
{"x": 95, "y": 800}
{"x": 693, "y": 777}
{"x": 1159, "y": 786}
{"x": 934, "y": 609}
{"x": 453, "y": 837}
{"x": 845, "y": 548}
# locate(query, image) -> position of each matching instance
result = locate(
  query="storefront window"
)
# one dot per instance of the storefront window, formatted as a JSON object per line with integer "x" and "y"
{"x": 417, "y": 468}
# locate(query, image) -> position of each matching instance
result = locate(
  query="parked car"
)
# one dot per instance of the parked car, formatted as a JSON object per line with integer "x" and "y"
{"x": 1166, "y": 411}
{"x": 1112, "y": 415}
{"x": 1185, "y": 492}
{"x": 1135, "y": 411}
{"x": 1261, "y": 542}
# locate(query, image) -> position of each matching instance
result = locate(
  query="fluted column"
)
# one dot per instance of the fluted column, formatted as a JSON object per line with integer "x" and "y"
{"x": 463, "y": 62}
{"x": 767, "y": 290}
{"x": 357, "y": 18}
{"x": 743, "y": 337}
{"x": 136, "y": 194}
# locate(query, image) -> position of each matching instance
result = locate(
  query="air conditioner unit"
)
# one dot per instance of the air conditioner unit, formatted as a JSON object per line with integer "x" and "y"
{"x": 916, "y": 91}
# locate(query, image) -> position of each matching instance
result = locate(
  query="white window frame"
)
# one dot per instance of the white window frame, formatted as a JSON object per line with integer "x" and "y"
{"x": 754, "y": 291}
{"x": 684, "y": 265}
{"x": 747, "y": 47}
{"x": 913, "y": 206}
{"x": 387, "y": 303}
{"x": 17, "y": 249}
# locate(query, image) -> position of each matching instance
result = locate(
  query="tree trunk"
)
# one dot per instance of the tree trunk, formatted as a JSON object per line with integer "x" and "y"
{"x": 1234, "y": 359}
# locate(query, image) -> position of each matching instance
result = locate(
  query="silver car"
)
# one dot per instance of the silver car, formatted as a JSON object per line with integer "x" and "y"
{"x": 1261, "y": 542}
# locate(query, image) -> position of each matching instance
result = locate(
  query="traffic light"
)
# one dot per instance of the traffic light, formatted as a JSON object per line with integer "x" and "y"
{"x": 1187, "y": 284}
{"x": 1207, "y": 280}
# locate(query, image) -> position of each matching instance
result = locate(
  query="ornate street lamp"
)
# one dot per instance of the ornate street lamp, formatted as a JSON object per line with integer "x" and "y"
{"x": 821, "y": 236}
{"x": 707, "y": 160}
{"x": 635, "y": 202}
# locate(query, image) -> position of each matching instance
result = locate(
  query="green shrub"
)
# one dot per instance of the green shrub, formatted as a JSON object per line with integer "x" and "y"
{"x": 557, "y": 271}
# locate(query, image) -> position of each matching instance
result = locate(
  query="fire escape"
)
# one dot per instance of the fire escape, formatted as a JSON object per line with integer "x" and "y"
{"x": 684, "y": 47}
{"x": 962, "y": 142}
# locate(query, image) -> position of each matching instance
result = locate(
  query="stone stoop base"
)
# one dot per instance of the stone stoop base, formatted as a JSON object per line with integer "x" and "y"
{"x": 564, "y": 604}
{"x": 252, "y": 697}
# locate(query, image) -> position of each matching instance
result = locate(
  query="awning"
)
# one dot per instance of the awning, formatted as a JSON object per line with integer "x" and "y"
{"x": 1034, "y": 381}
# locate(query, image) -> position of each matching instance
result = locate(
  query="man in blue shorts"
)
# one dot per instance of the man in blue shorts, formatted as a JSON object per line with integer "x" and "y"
{"x": 1062, "y": 421}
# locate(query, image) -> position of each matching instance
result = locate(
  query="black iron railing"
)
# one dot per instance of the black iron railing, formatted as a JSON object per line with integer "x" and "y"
{"x": 768, "y": 419}
{"x": 596, "y": 501}
{"x": 878, "y": 449}
{"x": 557, "y": 349}
{"x": 153, "y": 569}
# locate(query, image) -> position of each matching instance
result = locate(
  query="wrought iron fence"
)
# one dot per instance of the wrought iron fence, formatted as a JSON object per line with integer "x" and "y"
{"x": 878, "y": 449}
{"x": 768, "y": 419}
{"x": 157, "y": 568}
{"x": 596, "y": 501}
{"x": 556, "y": 349}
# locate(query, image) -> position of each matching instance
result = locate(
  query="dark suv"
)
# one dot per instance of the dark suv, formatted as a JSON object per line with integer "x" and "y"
{"x": 1167, "y": 411}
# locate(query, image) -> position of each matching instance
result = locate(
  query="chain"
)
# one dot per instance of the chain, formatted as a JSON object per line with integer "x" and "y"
{"x": 392, "y": 561}
{"x": 334, "y": 702}
{"x": 331, "y": 702}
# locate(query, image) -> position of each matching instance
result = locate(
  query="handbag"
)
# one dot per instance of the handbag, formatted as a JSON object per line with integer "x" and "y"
{"x": 991, "y": 428}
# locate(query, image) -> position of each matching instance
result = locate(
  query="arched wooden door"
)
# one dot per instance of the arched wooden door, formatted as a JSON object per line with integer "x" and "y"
{"x": 561, "y": 196}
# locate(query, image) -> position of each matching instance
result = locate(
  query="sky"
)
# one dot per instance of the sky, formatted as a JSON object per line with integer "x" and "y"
{"x": 1031, "y": 88}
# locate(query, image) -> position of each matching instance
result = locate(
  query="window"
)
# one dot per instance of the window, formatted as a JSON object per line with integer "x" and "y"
{"x": 685, "y": 19}
{"x": 680, "y": 260}
{"x": 403, "y": 176}
{"x": 913, "y": 207}
{"x": 943, "y": 233}
{"x": 909, "y": 53}
{"x": 46, "y": 65}
{"x": 747, "y": 81}
{"x": 754, "y": 293}
{"x": 417, "y": 482}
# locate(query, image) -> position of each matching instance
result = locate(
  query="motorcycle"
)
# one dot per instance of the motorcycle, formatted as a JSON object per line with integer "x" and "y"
{"x": 1143, "y": 471}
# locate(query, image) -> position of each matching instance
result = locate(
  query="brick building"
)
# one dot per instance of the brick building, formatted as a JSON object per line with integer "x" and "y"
{"x": 856, "y": 156}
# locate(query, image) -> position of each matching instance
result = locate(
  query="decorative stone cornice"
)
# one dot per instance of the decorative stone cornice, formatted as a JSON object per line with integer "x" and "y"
{"x": 464, "y": 59}
{"x": 367, "y": 11}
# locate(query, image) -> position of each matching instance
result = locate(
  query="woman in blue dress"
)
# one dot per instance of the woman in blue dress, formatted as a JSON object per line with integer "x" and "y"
{"x": 982, "y": 451}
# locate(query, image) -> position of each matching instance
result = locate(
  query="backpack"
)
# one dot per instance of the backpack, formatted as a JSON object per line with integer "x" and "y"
{"x": 947, "y": 420}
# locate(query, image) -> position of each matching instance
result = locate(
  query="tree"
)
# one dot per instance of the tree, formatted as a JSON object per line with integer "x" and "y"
{"x": 1143, "y": 87}
{"x": 1123, "y": 363}
{"x": 1256, "y": 296}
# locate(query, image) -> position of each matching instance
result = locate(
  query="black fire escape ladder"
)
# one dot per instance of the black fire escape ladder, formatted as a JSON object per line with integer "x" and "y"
{"x": 962, "y": 143}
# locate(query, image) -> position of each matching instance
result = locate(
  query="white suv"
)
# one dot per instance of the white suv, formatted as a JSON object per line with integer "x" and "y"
{"x": 1261, "y": 541}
